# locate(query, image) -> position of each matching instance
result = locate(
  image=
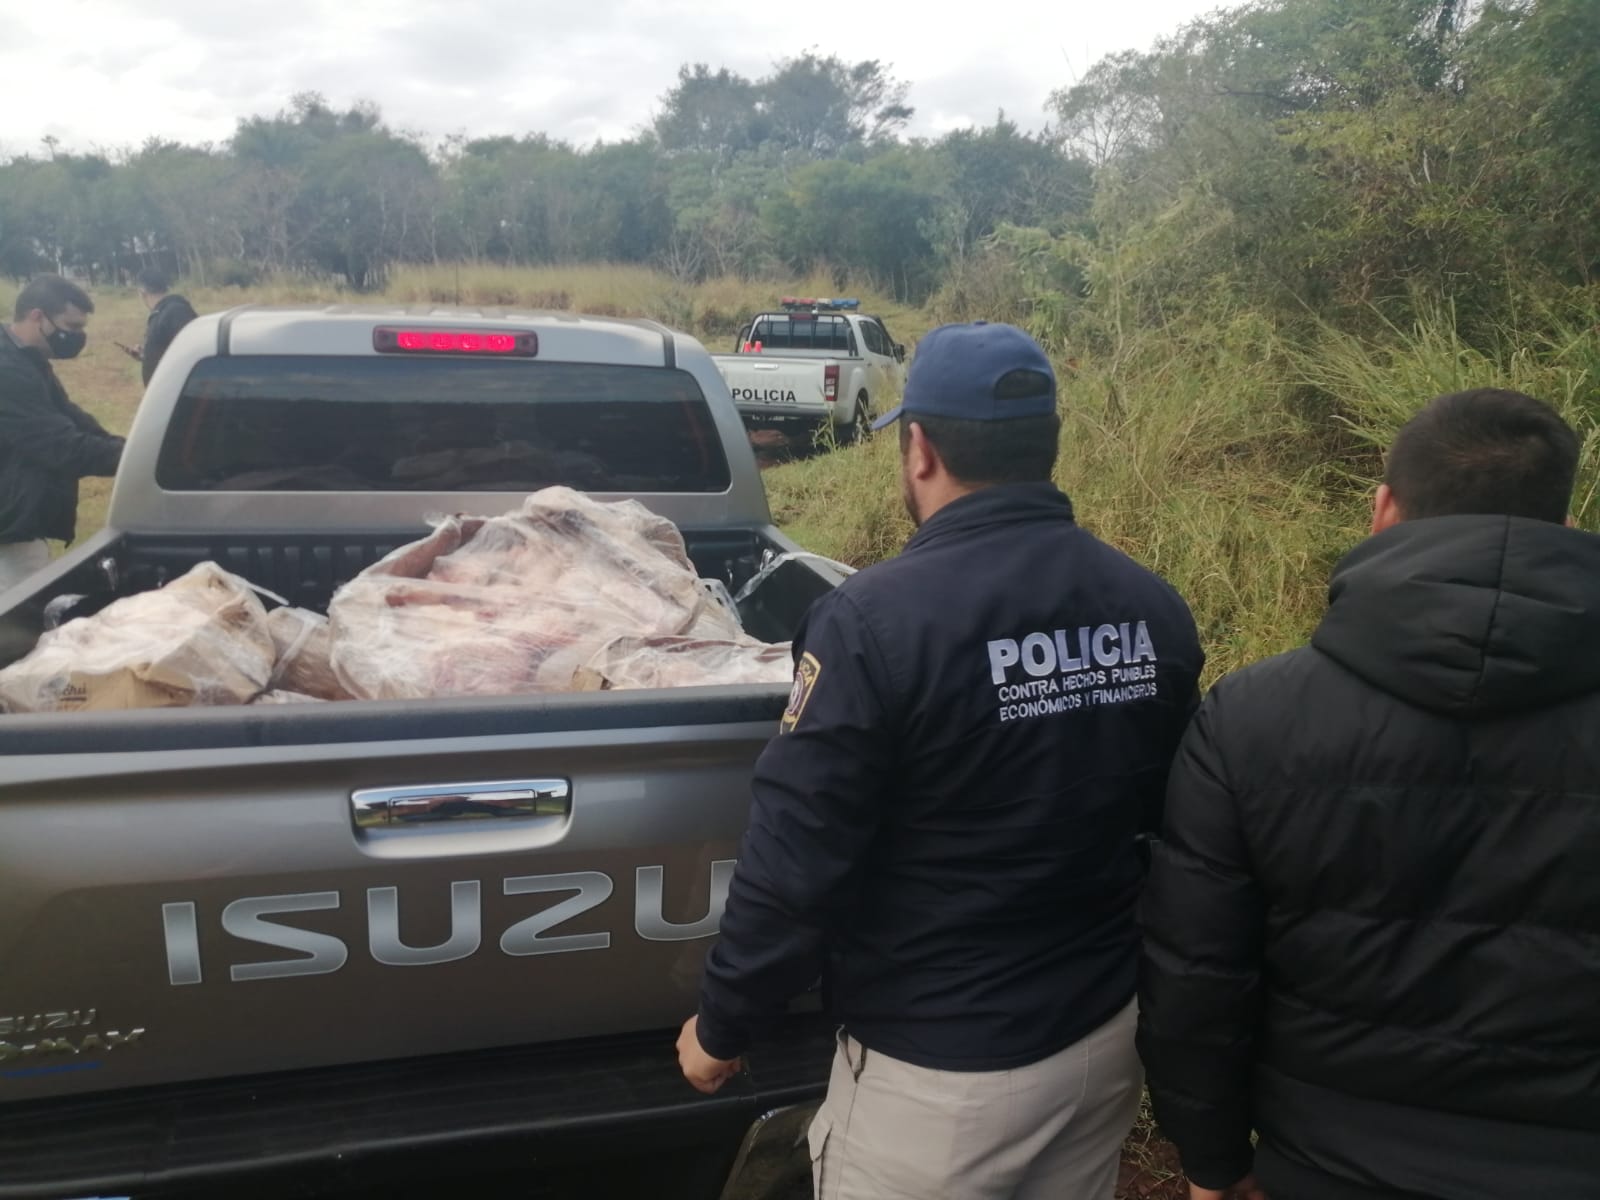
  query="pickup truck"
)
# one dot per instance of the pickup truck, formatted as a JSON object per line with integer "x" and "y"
{"x": 218, "y": 973}
{"x": 816, "y": 363}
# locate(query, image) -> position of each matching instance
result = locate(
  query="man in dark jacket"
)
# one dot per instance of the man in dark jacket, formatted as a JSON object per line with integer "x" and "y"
{"x": 945, "y": 829}
{"x": 169, "y": 313}
{"x": 47, "y": 443}
{"x": 1372, "y": 931}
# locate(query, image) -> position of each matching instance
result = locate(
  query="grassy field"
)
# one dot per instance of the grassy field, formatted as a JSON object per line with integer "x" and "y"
{"x": 106, "y": 382}
{"x": 1233, "y": 463}
{"x": 1237, "y": 467}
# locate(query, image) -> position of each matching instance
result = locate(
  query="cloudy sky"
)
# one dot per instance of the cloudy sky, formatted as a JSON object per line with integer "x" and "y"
{"x": 110, "y": 73}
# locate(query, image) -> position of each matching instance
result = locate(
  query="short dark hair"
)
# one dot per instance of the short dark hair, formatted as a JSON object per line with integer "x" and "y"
{"x": 154, "y": 281}
{"x": 1021, "y": 450}
{"x": 51, "y": 295}
{"x": 1484, "y": 451}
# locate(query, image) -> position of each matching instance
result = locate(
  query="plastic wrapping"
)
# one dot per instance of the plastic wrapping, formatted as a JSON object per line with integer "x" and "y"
{"x": 771, "y": 564}
{"x": 635, "y": 662}
{"x": 568, "y": 593}
{"x": 282, "y": 697}
{"x": 304, "y": 645}
{"x": 519, "y": 603}
{"x": 58, "y": 612}
{"x": 201, "y": 640}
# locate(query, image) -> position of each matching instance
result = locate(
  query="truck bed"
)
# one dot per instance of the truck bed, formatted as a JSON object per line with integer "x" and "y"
{"x": 306, "y": 569}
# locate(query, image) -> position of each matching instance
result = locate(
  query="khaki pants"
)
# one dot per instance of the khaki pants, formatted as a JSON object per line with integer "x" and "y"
{"x": 18, "y": 560}
{"x": 1053, "y": 1129}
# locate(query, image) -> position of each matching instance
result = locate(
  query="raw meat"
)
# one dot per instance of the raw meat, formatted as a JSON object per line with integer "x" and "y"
{"x": 566, "y": 593}
{"x": 517, "y": 604}
{"x": 202, "y": 639}
{"x": 304, "y": 648}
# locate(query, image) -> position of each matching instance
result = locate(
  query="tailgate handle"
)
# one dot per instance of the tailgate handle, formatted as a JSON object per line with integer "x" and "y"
{"x": 512, "y": 801}
{"x": 766, "y": 366}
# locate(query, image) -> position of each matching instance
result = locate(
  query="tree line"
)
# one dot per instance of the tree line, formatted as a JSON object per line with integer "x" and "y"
{"x": 1353, "y": 163}
{"x": 807, "y": 165}
{"x": 1316, "y": 158}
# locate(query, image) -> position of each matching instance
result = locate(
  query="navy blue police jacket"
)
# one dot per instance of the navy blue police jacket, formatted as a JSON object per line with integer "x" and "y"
{"x": 946, "y": 828}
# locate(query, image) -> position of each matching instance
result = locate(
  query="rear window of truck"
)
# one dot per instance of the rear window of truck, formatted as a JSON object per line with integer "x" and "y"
{"x": 304, "y": 423}
{"x": 803, "y": 331}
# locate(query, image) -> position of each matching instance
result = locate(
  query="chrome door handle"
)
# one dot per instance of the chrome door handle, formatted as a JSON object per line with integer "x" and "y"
{"x": 514, "y": 800}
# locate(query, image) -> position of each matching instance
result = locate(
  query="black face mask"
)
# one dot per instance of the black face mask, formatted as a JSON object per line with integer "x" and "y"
{"x": 66, "y": 343}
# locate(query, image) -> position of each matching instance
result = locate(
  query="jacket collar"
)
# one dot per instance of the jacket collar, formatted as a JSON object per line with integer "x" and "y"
{"x": 1000, "y": 504}
{"x": 34, "y": 358}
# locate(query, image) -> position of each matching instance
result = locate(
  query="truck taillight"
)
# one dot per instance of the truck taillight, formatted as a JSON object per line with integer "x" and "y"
{"x": 830, "y": 382}
{"x": 391, "y": 340}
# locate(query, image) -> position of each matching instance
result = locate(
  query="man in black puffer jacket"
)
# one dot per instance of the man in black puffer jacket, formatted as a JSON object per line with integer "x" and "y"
{"x": 1372, "y": 930}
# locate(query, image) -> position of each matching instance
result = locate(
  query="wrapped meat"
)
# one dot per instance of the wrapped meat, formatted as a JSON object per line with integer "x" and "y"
{"x": 634, "y": 662}
{"x": 286, "y": 698}
{"x": 304, "y": 648}
{"x": 202, "y": 639}
{"x": 517, "y": 604}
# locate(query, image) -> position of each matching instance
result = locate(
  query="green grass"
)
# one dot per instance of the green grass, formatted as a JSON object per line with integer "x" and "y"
{"x": 1186, "y": 458}
{"x": 714, "y": 309}
{"x": 1235, "y": 463}
{"x": 106, "y": 382}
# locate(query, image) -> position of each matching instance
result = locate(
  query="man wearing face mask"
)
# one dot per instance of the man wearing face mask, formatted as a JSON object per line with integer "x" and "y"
{"x": 946, "y": 828}
{"x": 47, "y": 443}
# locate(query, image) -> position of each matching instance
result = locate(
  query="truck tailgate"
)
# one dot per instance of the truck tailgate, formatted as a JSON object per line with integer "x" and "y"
{"x": 772, "y": 386}
{"x": 218, "y": 910}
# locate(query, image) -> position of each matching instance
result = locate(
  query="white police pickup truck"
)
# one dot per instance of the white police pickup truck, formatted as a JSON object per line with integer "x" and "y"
{"x": 817, "y": 362}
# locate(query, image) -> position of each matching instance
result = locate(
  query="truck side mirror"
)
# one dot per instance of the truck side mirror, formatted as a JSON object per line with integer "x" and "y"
{"x": 899, "y": 352}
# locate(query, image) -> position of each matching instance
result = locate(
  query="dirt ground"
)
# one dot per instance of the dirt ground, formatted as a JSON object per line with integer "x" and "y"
{"x": 1150, "y": 1169}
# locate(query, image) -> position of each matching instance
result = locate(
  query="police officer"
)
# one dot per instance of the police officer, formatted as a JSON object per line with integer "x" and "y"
{"x": 169, "y": 313}
{"x": 47, "y": 443}
{"x": 946, "y": 828}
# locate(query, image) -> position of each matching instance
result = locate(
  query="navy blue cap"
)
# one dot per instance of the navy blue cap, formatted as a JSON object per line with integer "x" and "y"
{"x": 957, "y": 370}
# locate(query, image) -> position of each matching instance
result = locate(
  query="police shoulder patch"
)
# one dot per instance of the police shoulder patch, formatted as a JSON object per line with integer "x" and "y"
{"x": 805, "y": 680}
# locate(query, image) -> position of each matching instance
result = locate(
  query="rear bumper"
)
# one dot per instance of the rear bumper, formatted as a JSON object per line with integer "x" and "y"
{"x": 563, "y": 1119}
{"x": 785, "y": 414}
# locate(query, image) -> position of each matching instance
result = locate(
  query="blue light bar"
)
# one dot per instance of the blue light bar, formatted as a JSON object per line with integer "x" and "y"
{"x": 821, "y": 304}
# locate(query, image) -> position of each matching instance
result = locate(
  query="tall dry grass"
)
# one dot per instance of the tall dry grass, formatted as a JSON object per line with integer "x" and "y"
{"x": 713, "y": 309}
{"x": 107, "y": 383}
{"x": 1236, "y": 465}
{"x": 1234, "y": 462}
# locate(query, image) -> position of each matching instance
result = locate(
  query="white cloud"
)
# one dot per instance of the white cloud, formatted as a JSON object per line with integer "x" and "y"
{"x": 119, "y": 71}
